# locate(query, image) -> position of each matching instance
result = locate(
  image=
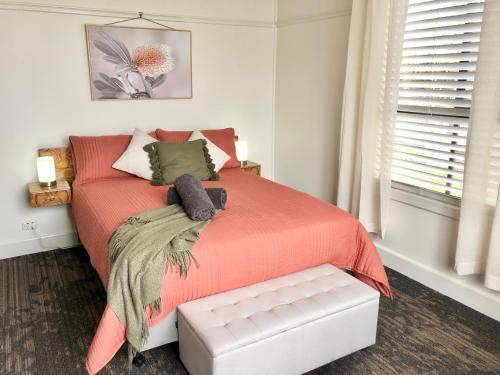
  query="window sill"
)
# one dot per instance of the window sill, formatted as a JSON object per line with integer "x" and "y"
{"x": 428, "y": 204}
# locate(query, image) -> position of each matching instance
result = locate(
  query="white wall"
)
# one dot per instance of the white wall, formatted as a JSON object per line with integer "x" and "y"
{"x": 46, "y": 97}
{"x": 310, "y": 65}
{"x": 420, "y": 243}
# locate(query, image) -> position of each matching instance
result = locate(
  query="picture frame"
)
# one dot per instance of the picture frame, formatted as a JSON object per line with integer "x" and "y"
{"x": 138, "y": 63}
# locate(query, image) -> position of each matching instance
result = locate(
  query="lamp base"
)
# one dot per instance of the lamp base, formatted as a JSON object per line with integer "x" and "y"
{"x": 48, "y": 185}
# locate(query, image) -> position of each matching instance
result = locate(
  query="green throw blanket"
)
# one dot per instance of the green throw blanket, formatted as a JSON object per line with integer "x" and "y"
{"x": 139, "y": 252}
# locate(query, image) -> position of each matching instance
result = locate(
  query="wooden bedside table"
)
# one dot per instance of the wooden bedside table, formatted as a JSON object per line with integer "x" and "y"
{"x": 44, "y": 197}
{"x": 252, "y": 168}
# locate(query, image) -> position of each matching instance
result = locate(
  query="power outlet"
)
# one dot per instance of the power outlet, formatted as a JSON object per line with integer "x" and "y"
{"x": 30, "y": 225}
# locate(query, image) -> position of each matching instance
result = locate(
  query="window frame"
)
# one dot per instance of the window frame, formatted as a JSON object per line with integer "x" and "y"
{"x": 438, "y": 203}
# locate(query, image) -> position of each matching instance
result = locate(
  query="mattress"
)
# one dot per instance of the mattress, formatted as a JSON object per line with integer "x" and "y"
{"x": 267, "y": 230}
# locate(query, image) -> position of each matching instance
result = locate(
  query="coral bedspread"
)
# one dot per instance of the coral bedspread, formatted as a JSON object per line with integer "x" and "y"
{"x": 267, "y": 230}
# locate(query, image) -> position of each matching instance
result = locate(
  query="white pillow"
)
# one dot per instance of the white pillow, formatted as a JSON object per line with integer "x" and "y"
{"x": 135, "y": 160}
{"x": 219, "y": 157}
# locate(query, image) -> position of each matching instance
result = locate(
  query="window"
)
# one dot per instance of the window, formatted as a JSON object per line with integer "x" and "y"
{"x": 437, "y": 75}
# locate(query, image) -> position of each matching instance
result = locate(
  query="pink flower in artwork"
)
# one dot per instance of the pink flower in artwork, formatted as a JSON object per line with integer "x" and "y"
{"x": 153, "y": 60}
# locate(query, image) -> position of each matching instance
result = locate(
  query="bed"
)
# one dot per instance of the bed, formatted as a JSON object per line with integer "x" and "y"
{"x": 267, "y": 230}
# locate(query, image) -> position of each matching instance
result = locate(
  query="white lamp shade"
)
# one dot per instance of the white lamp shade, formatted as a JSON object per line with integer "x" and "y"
{"x": 242, "y": 150}
{"x": 46, "y": 169}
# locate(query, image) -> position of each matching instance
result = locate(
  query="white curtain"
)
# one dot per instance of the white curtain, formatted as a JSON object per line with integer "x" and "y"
{"x": 369, "y": 109}
{"x": 478, "y": 243}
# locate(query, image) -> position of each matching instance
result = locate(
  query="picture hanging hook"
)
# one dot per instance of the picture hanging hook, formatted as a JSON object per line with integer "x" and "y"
{"x": 140, "y": 14}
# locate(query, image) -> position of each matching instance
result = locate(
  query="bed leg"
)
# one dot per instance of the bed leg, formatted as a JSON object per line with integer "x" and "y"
{"x": 139, "y": 360}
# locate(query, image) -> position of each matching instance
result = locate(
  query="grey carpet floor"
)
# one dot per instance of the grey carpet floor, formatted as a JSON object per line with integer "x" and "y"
{"x": 51, "y": 303}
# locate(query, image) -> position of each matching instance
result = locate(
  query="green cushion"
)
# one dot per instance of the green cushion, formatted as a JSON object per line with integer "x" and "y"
{"x": 170, "y": 160}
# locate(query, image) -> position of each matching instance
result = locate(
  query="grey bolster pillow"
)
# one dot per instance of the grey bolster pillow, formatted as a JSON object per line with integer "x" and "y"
{"x": 218, "y": 196}
{"x": 195, "y": 199}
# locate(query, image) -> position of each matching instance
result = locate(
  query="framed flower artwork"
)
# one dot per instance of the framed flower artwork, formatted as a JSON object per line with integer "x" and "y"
{"x": 139, "y": 63}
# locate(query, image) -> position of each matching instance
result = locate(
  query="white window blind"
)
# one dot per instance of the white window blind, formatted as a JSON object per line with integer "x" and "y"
{"x": 436, "y": 81}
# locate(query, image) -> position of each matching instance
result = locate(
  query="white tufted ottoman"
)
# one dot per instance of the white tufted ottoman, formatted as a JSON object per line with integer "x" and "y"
{"x": 287, "y": 325}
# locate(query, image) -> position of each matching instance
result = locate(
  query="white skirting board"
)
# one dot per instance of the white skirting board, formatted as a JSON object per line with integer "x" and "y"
{"x": 38, "y": 244}
{"x": 468, "y": 290}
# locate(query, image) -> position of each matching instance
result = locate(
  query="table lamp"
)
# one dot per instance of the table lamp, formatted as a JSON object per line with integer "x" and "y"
{"x": 46, "y": 171}
{"x": 242, "y": 152}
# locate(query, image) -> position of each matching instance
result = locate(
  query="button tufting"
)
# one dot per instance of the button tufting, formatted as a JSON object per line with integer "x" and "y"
{"x": 259, "y": 311}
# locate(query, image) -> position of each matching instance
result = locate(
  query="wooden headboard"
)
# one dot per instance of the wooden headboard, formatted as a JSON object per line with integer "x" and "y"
{"x": 63, "y": 161}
